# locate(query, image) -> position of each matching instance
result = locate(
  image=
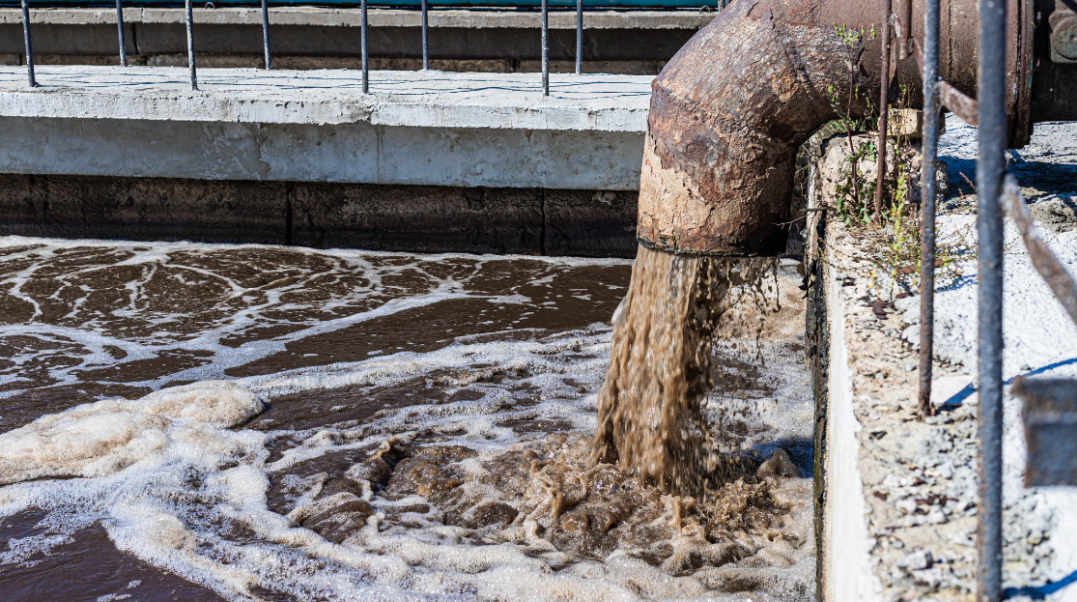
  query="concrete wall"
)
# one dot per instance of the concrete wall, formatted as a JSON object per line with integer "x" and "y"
{"x": 391, "y": 218}
{"x": 353, "y": 153}
{"x": 847, "y": 571}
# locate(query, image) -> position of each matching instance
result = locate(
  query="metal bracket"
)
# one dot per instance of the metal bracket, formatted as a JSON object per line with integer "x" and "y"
{"x": 1050, "y": 416}
{"x": 1063, "y": 36}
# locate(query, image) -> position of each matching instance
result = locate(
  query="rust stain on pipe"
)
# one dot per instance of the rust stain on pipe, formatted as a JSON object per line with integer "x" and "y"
{"x": 730, "y": 110}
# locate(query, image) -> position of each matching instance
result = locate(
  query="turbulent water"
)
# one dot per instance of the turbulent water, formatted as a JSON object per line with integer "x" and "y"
{"x": 650, "y": 420}
{"x": 200, "y": 422}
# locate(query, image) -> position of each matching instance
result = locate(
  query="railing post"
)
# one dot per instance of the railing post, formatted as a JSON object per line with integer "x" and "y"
{"x": 545, "y": 47}
{"x": 928, "y": 190}
{"x": 365, "y": 48}
{"x": 884, "y": 111}
{"x": 29, "y": 45}
{"x": 190, "y": 46}
{"x": 265, "y": 34}
{"x": 119, "y": 26}
{"x": 426, "y": 36}
{"x": 990, "y": 168}
{"x": 579, "y": 37}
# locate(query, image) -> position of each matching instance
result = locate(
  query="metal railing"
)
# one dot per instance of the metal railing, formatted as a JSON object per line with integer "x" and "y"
{"x": 998, "y": 195}
{"x": 425, "y": 9}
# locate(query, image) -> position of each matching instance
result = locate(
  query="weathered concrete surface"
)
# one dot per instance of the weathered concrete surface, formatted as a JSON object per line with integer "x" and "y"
{"x": 434, "y": 129}
{"x": 390, "y": 218}
{"x": 613, "y": 103}
{"x": 616, "y": 37}
{"x": 901, "y": 500}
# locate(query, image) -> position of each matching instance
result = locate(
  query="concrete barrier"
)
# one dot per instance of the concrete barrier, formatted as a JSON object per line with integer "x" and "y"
{"x": 899, "y": 499}
{"x": 107, "y": 151}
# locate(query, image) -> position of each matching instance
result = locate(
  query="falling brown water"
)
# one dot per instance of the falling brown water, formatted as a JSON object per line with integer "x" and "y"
{"x": 650, "y": 422}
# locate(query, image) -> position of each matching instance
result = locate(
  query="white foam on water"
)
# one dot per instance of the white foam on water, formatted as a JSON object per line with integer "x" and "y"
{"x": 98, "y": 439}
{"x": 173, "y": 484}
{"x": 148, "y": 320}
{"x": 171, "y": 502}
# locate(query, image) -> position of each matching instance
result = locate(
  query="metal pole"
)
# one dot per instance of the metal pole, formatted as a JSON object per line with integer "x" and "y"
{"x": 119, "y": 26}
{"x": 545, "y": 47}
{"x": 990, "y": 169}
{"x": 579, "y": 37}
{"x": 190, "y": 46}
{"x": 928, "y": 193}
{"x": 366, "y": 53}
{"x": 426, "y": 36}
{"x": 884, "y": 110}
{"x": 265, "y": 34}
{"x": 29, "y": 46}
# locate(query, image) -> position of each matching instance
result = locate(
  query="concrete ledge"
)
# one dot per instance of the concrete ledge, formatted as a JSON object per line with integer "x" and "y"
{"x": 391, "y": 218}
{"x": 610, "y": 103}
{"x": 439, "y": 129}
{"x": 900, "y": 502}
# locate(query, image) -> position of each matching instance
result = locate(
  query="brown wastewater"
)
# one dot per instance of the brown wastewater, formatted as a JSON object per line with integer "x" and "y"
{"x": 185, "y": 421}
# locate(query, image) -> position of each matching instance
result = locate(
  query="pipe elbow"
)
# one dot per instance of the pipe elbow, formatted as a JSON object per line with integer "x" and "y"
{"x": 727, "y": 116}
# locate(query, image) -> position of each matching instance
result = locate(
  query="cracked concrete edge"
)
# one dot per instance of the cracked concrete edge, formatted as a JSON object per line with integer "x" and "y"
{"x": 900, "y": 494}
{"x": 349, "y": 17}
{"x": 847, "y": 572}
{"x": 464, "y": 101}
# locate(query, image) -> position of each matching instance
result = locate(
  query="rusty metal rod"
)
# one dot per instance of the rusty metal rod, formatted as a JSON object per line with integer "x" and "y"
{"x": 545, "y": 47}
{"x": 365, "y": 47}
{"x": 950, "y": 97}
{"x": 990, "y": 168}
{"x": 29, "y": 45}
{"x": 265, "y": 34}
{"x": 190, "y": 46}
{"x": 928, "y": 193}
{"x": 119, "y": 26}
{"x": 426, "y": 35}
{"x": 884, "y": 111}
{"x": 1052, "y": 270}
{"x": 579, "y": 37}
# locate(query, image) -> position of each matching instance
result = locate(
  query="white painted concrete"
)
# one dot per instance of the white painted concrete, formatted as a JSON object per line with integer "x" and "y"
{"x": 848, "y": 575}
{"x": 612, "y": 103}
{"x": 434, "y": 128}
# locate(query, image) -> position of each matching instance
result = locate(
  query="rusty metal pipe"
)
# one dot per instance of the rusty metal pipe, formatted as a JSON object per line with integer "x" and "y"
{"x": 729, "y": 111}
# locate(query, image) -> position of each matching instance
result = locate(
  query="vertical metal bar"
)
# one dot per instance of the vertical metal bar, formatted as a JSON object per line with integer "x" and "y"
{"x": 426, "y": 36}
{"x": 265, "y": 34}
{"x": 366, "y": 48}
{"x": 928, "y": 192}
{"x": 990, "y": 168}
{"x": 119, "y": 26}
{"x": 29, "y": 45}
{"x": 545, "y": 47}
{"x": 579, "y": 37}
{"x": 884, "y": 111}
{"x": 190, "y": 46}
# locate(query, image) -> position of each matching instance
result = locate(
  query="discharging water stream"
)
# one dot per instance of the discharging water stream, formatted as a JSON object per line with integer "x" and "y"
{"x": 204, "y": 422}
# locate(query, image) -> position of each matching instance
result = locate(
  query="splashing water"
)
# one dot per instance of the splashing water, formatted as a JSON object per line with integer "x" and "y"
{"x": 650, "y": 421}
{"x": 365, "y": 426}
